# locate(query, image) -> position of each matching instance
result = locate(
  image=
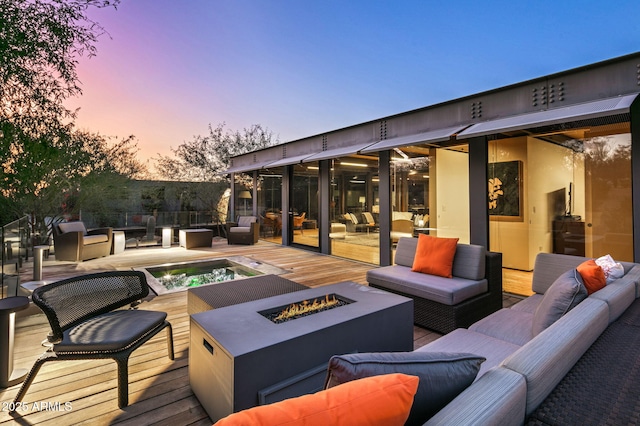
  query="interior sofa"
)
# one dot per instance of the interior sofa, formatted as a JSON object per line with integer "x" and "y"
{"x": 245, "y": 231}
{"x": 73, "y": 242}
{"x": 444, "y": 304}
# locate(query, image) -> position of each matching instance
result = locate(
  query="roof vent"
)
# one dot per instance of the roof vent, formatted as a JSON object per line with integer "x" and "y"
{"x": 383, "y": 130}
{"x": 476, "y": 110}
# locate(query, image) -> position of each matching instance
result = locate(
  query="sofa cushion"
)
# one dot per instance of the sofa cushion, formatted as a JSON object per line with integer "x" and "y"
{"x": 510, "y": 325}
{"x": 462, "y": 340}
{"x": 72, "y": 227}
{"x": 469, "y": 262}
{"x": 406, "y": 251}
{"x": 549, "y": 266}
{"x": 497, "y": 398}
{"x": 448, "y": 291}
{"x": 564, "y": 294}
{"x": 246, "y": 221}
{"x": 435, "y": 255}
{"x": 240, "y": 230}
{"x": 546, "y": 359}
{"x": 612, "y": 269}
{"x": 442, "y": 375}
{"x": 528, "y": 304}
{"x": 592, "y": 276}
{"x": 380, "y": 400}
{"x": 618, "y": 295}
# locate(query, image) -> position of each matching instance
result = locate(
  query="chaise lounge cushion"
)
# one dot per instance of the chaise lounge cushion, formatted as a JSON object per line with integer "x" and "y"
{"x": 564, "y": 294}
{"x": 380, "y": 400}
{"x": 442, "y": 375}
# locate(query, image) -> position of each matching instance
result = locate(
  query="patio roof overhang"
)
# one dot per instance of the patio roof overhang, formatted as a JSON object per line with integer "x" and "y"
{"x": 337, "y": 152}
{"x": 432, "y": 136}
{"x": 584, "y": 111}
{"x": 247, "y": 167}
{"x": 297, "y": 159}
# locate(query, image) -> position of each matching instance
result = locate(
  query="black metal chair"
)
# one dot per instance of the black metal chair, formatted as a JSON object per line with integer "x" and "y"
{"x": 87, "y": 322}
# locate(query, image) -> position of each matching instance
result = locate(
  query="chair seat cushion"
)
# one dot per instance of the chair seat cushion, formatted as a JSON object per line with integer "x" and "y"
{"x": 240, "y": 230}
{"x": 72, "y": 227}
{"x": 94, "y": 239}
{"x": 112, "y": 331}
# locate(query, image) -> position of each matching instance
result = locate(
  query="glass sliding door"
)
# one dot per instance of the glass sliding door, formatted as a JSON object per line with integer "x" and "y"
{"x": 304, "y": 203}
{"x": 354, "y": 208}
{"x": 573, "y": 194}
{"x": 430, "y": 192}
{"x": 270, "y": 204}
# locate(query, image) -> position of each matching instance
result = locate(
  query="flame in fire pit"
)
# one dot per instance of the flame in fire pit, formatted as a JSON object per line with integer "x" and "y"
{"x": 306, "y": 306}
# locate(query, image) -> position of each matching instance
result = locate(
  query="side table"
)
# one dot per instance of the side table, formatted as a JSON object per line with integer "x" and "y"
{"x": 38, "y": 253}
{"x": 119, "y": 242}
{"x": 8, "y": 309}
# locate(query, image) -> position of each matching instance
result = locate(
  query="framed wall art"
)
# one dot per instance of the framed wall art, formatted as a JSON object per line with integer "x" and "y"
{"x": 505, "y": 191}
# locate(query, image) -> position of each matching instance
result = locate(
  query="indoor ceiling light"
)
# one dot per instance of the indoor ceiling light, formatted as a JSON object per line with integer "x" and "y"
{"x": 353, "y": 164}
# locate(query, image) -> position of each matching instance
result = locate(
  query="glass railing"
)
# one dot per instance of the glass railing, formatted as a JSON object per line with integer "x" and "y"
{"x": 16, "y": 248}
{"x": 136, "y": 219}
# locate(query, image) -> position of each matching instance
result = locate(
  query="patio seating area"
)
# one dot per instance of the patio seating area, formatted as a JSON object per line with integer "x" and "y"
{"x": 159, "y": 391}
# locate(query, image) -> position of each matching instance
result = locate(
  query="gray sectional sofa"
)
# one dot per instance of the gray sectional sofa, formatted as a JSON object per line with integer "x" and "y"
{"x": 444, "y": 304}
{"x": 524, "y": 364}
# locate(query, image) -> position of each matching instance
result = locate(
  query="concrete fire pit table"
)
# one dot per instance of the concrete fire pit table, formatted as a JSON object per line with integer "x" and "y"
{"x": 239, "y": 359}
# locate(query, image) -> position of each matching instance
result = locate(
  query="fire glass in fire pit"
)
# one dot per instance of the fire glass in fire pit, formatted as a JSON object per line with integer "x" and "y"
{"x": 306, "y": 307}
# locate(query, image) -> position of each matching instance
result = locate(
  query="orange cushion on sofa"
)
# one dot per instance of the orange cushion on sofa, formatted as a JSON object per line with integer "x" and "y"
{"x": 435, "y": 255}
{"x": 592, "y": 275}
{"x": 377, "y": 400}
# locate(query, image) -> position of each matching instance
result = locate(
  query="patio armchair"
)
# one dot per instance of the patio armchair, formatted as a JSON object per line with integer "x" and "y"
{"x": 245, "y": 231}
{"x": 87, "y": 322}
{"x": 73, "y": 242}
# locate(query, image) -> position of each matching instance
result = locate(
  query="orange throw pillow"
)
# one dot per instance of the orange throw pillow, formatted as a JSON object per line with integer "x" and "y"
{"x": 592, "y": 275}
{"x": 377, "y": 400}
{"x": 435, "y": 255}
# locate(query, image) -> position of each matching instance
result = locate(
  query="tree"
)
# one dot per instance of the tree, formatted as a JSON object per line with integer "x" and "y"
{"x": 40, "y": 41}
{"x": 203, "y": 158}
{"x": 61, "y": 170}
{"x": 46, "y": 164}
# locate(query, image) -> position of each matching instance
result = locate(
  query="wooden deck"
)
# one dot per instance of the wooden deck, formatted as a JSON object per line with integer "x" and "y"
{"x": 85, "y": 392}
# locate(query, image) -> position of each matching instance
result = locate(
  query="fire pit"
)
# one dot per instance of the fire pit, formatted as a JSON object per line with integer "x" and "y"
{"x": 301, "y": 309}
{"x": 238, "y": 358}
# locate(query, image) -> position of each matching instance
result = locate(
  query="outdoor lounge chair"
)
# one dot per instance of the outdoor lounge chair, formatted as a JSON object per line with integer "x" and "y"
{"x": 86, "y": 322}
{"x": 245, "y": 231}
{"x": 73, "y": 242}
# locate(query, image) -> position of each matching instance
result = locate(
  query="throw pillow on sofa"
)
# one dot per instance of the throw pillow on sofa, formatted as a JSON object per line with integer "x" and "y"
{"x": 612, "y": 269}
{"x": 434, "y": 255}
{"x": 442, "y": 375}
{"x": 592, "y": 276}
{"x": 381, "y": 400}
{"x": 564, "y": 294}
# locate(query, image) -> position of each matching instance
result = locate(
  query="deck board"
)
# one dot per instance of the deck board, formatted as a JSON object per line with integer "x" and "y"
{"x": 159, "y": 391}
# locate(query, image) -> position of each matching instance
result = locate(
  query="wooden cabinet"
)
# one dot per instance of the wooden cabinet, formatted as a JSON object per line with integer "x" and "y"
{"x": 568, "y": 237}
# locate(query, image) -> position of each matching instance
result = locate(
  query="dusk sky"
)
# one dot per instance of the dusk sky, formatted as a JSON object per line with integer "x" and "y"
{"x": 300, "y": 68}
